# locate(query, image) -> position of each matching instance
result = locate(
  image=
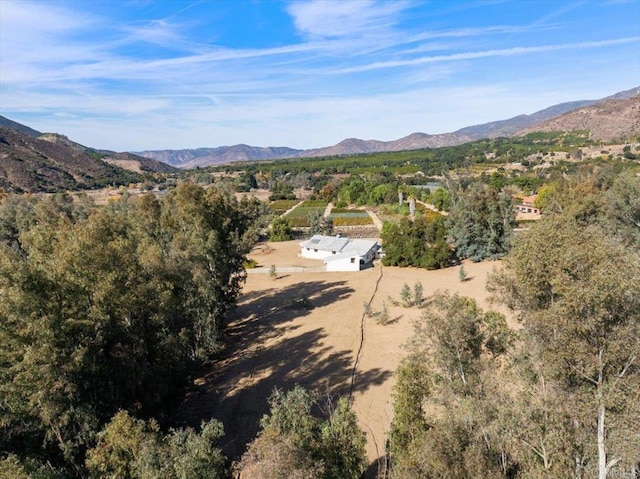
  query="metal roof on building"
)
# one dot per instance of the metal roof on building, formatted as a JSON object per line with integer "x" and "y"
{"x": 325, "y": 243}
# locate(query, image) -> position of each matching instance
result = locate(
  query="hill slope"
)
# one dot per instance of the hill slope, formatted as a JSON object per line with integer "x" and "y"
{"x": 32, "y": 161}
{"x": 192, "y": 158}
{"x": 14, "y": 125}
{"x": 136, "y": 163}
{"x": 41, "y": 165}
{"x": 606, "y": 120}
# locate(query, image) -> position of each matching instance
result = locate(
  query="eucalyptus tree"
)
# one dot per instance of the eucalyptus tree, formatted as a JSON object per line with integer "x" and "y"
{"x": 295, "y": 443}
{"x": 575, "y": 288}
{"x": 105, "y": 311}
{"x": 481, "y": 223}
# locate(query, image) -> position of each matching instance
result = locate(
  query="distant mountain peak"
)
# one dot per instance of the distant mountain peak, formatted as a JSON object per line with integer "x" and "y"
{"x": 352, "y": 146}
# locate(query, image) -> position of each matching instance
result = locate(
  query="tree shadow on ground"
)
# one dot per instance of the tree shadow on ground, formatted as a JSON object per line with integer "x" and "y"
{"x": 259, "y": 357}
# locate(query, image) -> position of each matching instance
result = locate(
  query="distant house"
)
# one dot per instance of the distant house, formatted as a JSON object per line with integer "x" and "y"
{"x": 340, "y": 254}
{"x": 528, "y": 205}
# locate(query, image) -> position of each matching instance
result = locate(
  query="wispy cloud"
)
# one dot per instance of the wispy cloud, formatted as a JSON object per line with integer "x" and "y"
{"x": 338, "y": 69}
{"x": 505, "y": 52}
{"x": 564, "y": 8}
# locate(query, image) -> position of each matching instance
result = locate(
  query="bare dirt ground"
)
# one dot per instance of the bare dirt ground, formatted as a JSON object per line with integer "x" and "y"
{"x": 274, "y": 341}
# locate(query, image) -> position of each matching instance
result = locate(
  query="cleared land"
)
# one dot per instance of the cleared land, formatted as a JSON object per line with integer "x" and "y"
{"x": 275, "y": 341}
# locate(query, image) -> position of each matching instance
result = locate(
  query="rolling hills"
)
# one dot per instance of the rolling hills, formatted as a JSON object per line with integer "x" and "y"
{"x": 51, "y": 162}
{"x": 613, "y": 117}
{"x": 31, "y": 161}
{"x": 606, "y": 120}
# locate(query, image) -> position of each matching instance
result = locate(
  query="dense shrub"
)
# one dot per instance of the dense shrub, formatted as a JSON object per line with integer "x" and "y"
{"x": 420, "y": 242}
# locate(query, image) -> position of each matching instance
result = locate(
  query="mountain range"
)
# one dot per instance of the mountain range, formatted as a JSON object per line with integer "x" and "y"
{"x": 612, "y": 117}
{"x": 32, "y": 161}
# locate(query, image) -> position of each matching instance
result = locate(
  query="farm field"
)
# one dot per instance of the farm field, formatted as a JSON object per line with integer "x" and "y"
{"x": 300, "y": 216}
{"x": 350, "y": 217}
{"x": 275, "y": 342}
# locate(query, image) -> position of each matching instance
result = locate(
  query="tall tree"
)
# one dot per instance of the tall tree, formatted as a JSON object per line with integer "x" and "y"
{"x": 281, "y": 230}
{"x": 136, "y": 449}
{"x": 576, "y": 290}
{"x": 420, "y": 242}
{"x": 319, "y": 225}
{"x": 106, "y": 312}
{"x": 623, "y": 208}
{"x": 481, "y": 223}
{"x": 295, "y": 443}
{"x": 453, "y": 359}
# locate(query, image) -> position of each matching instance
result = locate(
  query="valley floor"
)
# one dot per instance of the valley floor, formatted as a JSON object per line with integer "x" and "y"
{"x": 277, "y": 339}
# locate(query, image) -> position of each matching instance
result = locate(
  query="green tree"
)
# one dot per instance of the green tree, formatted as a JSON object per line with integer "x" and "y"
{"x": 206, "y": 233}
{"x": 481, "y": 223}
{"x": 623, "y": 208}
{"x": 342, "y": 442}
{"x": 294, "y": 443}
{"x": 450, "y": 374}
{"x": 420, "y": 242}
{"x": 412, "y": 387}
{"x": 137, "y": 449}
{"x": 281, "y": 230}
{"x": 441, "y": 199}
{"x": 581, "y": 309}
{"x": 106, "y": 312}
{"x": 320, "y": 225}
{"x": 256, "y": 217}
{"x": 455, "y": 325}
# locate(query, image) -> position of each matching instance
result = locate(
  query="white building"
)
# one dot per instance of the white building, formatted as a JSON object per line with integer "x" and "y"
{"x": 340, "y": 254}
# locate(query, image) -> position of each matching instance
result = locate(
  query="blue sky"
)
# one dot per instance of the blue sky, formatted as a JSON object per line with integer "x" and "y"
{"x": 143, "y": 74}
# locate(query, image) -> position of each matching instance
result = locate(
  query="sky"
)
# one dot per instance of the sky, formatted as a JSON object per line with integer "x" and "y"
{"x": 133, "y": 75}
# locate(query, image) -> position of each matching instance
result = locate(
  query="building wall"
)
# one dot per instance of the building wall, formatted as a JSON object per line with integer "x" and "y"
{"x": 369, "y": 257}
{"x": 344, "y": 264}
{"x": 314, "y": 254}
{"x": 527, "y": 209}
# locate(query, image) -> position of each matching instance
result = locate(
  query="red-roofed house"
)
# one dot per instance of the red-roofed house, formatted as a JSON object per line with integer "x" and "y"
{"x": 528, "y": 205}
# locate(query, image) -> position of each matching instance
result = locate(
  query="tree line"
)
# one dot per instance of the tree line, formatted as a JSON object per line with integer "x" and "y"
{"x": 106, "y": 309}
{"x": 558, "y": 396}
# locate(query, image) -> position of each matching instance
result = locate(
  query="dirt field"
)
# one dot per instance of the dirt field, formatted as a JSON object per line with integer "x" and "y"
{"x": 275, "y": 341}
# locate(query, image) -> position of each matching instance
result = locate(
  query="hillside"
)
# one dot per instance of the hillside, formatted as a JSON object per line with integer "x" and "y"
{"x": 126, "y": 161}
{"x": 7, "y": 123}
{"x": 517, "y": 125}
{"x": 192, "y": 158}
{"x": 46, "y": 162}
{"x": 136, "y": 163}
{"x": 606, "y": 120}
{"x": 42, "y": 165}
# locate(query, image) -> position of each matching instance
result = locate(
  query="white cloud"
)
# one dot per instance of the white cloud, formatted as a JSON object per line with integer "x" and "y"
{"x": 159, "y": 32}
{"x": 337, "y": 18}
